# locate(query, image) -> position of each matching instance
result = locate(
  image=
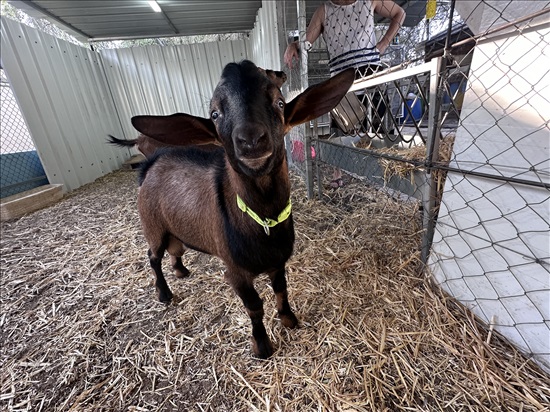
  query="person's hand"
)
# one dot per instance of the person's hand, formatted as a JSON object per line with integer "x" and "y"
{"x": 291, "y": 53}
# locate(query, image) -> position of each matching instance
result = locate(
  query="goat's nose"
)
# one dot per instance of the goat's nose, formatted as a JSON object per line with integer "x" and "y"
{"x": 250, "y": 137}
{"x": 249, "y": 142}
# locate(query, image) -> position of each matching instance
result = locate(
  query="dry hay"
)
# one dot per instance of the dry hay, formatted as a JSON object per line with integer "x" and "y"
{"x": 82, "y": 329}
{"x": 400, "y": 162}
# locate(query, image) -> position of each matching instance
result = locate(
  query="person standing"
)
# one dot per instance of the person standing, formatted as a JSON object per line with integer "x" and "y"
{"x": 348, "y": 30}
{"x": 347, "y": 27}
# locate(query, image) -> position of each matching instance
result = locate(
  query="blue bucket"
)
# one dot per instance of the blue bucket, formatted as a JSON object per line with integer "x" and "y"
{"x": 415, "y": 106}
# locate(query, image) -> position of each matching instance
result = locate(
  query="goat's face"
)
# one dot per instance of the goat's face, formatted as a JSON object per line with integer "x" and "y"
{"x": 248, "y": 111}
{"x": 248, "y": 116}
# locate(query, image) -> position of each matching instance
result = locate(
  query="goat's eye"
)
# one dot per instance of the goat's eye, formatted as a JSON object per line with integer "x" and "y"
{"x": 214, "y": 115}
{"x": 281, "y": 104}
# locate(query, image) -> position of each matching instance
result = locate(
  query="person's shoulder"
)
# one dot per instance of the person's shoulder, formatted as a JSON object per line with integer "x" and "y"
{"x": 320, "y": 11}
{"x": 376, "y": 4}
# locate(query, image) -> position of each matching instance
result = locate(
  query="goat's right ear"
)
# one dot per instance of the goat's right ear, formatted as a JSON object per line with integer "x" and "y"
{"x": 318, "y": 99}
{"x": 178, "y": 129}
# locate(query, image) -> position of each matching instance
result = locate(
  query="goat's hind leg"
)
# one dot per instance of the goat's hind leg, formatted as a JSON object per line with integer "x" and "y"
{"x": 155, "y": 259}
{"x": 176, "y": 251}
{"x": 278, "y": 282}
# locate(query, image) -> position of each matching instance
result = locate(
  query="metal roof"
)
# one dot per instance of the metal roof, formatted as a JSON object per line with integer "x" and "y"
{"x": 95, "y": 20}
{"x": 116, "y": 19}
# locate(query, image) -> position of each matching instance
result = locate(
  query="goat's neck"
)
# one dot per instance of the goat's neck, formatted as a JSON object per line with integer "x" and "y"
{"x": 268, "y": 194}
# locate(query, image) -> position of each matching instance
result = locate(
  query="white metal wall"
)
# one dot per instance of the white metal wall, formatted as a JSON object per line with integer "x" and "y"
{"x": 170, "y": 79}
{"x": 65, "y": 99}
{"x": 72, "y": 97}
{"x": 164, "y": 80}
{"x": 264, "y": 39}
{"x": 491, "y": 249}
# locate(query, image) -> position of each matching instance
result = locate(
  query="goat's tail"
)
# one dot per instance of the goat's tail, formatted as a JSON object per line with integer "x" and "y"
{"x": 121, "y": 142}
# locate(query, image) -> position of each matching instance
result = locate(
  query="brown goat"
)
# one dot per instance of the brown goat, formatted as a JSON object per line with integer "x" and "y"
{"x": 206, "y": 199}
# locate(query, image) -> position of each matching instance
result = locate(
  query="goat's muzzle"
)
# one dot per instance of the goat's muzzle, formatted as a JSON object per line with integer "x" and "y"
{"x": 253, "y": 145}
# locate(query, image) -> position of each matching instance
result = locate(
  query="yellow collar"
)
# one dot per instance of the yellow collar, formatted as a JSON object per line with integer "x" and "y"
{"x": 265, "y": 223}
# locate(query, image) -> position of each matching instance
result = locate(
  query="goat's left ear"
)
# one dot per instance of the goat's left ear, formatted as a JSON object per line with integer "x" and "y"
{"x": 277, "y": 77}
{"x": 178, "y": 129}
{"x": 318, "y": 99}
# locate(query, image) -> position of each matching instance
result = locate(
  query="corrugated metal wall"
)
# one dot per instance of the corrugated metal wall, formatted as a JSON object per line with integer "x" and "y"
{"x": 167, "y": 79}
{"x": 264, "y": 39}
{"x": 72, "y": 97}
{"x": 65, "y": 99}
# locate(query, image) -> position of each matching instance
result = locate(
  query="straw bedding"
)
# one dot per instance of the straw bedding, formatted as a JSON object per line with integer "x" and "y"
{"x": 82, "y": 329}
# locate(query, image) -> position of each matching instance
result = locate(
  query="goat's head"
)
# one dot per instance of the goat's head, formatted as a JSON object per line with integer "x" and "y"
{"x": 247, "y": 109}
{"x": 248, "y": 116}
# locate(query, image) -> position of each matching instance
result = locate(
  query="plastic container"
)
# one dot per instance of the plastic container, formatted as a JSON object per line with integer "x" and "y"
{"x": 415, "y": 106}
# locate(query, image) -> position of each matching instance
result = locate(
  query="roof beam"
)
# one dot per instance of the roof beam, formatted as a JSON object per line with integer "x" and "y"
{"x": 176, "y": 31}
{"x": 52, "y": 16}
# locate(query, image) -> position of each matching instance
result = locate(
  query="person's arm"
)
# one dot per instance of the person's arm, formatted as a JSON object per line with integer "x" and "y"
{"x": 313, "y": 31}
{"x": 392, "y": 11}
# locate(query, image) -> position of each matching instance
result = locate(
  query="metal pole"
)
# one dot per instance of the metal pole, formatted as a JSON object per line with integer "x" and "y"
{"x": 302, "y": 26}
{"x": 317, "y": 163}
{"x": 450, "y": 28}
{"x": 304, "y": 83}
{"x": 438, "y": 76}
{"x": 432, "y": 150}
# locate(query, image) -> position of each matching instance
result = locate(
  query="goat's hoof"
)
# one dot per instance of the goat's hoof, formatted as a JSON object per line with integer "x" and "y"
{"x": 262, "y": 349}
{"x": 165, "y": 296}
{"x": 182, "y": 273}
{"x": 289, "y": 320}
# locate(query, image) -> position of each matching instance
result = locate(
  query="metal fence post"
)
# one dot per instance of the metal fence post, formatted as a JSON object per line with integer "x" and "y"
{"x": 432, "y": 150}
{"x": 432, "y": 145}
{"x": 304, "y": 81}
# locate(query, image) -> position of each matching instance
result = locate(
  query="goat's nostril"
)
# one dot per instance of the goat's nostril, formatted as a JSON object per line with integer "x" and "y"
{"x": 250, "y": 142}
{"x": 244, "y": 142}
{"x": 258, "y": 139}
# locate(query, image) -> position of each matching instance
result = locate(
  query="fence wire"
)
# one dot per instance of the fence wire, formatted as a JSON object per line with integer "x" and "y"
{"x": 468, "y": 140}
{"x": 20, "y": 166}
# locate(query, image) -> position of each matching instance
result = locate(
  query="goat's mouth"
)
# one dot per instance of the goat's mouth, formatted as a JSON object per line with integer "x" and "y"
{"x": 255, "y": 162}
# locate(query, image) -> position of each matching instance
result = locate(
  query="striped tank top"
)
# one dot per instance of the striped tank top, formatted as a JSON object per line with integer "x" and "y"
{"x": 349, "y": 35}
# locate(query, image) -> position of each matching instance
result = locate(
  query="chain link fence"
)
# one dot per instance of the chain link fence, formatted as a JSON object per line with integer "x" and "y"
{"x": 456, "y": 123}
{"x": 20, "y": 166}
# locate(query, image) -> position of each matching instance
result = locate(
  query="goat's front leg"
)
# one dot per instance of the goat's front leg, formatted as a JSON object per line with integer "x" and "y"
{"x": 278, "y": 282}
{"x": 261, "y": 346}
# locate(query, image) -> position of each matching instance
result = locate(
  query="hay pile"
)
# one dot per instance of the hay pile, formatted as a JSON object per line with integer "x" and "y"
{"x": 402, "y": 162}
{"x": 82, "y": 329}
{"x": 414, "y": 158}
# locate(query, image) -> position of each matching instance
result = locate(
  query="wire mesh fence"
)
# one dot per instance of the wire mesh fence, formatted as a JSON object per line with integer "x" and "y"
{"x": 455, "y": 120}
{"x": 20, "y": 166}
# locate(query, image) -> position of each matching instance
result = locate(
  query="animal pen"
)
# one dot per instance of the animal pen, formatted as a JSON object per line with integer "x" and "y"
{"x": 420, "y": 284}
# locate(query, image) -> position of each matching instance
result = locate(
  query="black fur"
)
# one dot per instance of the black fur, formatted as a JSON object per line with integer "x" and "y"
{"x": 121, "y": 142}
